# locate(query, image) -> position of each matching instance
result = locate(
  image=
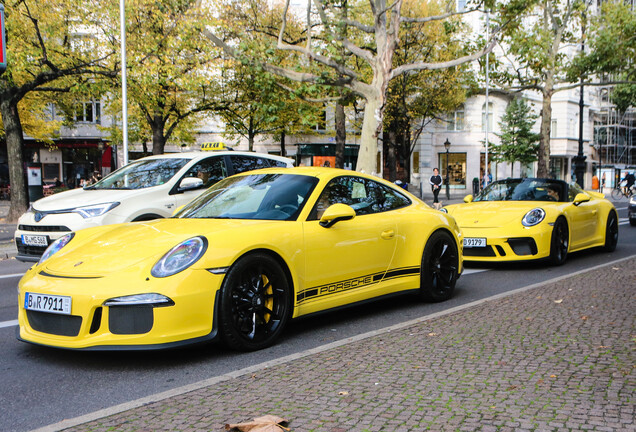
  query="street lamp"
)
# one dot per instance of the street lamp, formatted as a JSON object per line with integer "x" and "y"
{"x": 447, "y": 146}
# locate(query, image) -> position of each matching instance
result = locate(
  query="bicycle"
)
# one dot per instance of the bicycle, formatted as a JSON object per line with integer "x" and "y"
{"x": 618, "y": 193}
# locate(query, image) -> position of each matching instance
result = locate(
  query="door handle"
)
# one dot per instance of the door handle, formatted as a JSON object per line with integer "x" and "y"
{"x": 388, "y": 234}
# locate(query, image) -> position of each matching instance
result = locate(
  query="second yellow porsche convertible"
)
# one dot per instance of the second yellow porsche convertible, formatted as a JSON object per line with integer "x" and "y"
{"x": 533, "y": 218}
{"x": 239, "y": 262}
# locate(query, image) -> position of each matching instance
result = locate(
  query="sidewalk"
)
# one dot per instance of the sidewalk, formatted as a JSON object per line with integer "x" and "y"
{"x": 552, "y": 357}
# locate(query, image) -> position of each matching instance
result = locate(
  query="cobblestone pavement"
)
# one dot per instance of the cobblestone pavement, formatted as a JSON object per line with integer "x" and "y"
{"x": 557, "y": 357}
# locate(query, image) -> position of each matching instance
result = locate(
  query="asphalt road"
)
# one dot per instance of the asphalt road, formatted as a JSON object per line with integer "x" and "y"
{"x": 41, "y": 386}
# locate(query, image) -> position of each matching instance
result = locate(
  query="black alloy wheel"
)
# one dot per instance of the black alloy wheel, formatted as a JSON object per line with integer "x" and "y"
{"x": 611, "y": 232}
{"x": 255, "y": 303}
{"x": 559, "y": 242}
{"x": 440, "y": 266}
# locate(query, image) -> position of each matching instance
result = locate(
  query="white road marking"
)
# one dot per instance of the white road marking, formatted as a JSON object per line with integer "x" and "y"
{"x": 11, "y": 323}
{"x": 471, "y": 271}
{"x": 14, "y": 275}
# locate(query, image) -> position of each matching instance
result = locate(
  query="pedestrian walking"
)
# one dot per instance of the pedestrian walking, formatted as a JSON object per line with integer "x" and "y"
{"x": 436, "y": 184}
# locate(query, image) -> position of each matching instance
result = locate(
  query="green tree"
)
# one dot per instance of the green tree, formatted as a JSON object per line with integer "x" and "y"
{"x": 47, "y": 43}
{"x": 517, "y": 141}
{"x": 371, "y": 41}
{"x": 414, "y": 99}
{"x": 254, "y": 101}
{"x": 171, "y": 72}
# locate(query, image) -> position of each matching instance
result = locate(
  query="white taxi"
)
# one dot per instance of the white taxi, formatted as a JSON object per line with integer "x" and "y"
{"x": 145, "y": 189}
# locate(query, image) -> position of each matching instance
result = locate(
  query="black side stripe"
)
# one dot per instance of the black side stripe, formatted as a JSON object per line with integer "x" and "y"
{"x": 354, "y": 283}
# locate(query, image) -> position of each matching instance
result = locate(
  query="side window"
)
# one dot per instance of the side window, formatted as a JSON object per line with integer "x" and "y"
{"x": 390, "y": 199}
{"x": 364, "y": 196}
{"x": 210, "y": 170}
{"x": 247, "y": 163}
{"x": 277, "y": 163}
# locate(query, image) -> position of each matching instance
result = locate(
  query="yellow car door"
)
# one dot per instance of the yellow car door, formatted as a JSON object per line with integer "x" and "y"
{"x": 583, "y": 219}
{"x": 345, "y": 262}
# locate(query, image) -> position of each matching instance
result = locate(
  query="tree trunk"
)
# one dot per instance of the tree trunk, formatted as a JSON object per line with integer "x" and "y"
{"x": 250, "y": 141}
{"x": 543, "y": 164}
{"x": 15, "y": 144}
{"x": 367, "y": 155}
{"x": 158, "y": 138}
{"x": 341, "y": 135}
{"x": 283, "y": 151}
{"x": 391, "y": 160}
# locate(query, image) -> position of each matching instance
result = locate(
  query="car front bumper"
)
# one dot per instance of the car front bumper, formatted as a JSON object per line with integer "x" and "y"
{"x": 525, "y": 244}
{"x": 93, "y": 325}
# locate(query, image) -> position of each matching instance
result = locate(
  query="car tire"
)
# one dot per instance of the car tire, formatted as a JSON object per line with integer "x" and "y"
{"x": 611, "y": 232}
{"x": 439, "y": 268}
{"x": 255, "y": 303}
{"x": 632, "y": 222}
{"x": 559, "y": 242}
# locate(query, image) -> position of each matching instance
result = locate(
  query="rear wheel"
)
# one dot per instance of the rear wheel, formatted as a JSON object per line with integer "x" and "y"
{"x": 560, "y": 242}
{"x": 255, "y": 303}
{"x": 611, "y": 232}
{"x": 440, "y": 265}
{"x": 617, "y": 194}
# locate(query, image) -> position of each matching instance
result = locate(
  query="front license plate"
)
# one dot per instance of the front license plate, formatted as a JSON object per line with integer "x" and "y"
{"x": 35, "y": 240}
{"x": 47, "y": 303}
{"x": 474, "y": 242}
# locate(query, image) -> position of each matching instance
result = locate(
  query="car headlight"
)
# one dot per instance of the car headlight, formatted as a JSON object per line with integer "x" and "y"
{"x": 95, "y": 210}
{"x": 632, "y": 200}
{"x": 56, "y": 246}
{"x": 180, "y": 257}
{"x": 533, "y": 217}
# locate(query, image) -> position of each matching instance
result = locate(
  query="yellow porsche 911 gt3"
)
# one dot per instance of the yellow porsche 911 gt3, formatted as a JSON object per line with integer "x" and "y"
{"x": 239, "y": 262}
{"x": 533, "y": 218}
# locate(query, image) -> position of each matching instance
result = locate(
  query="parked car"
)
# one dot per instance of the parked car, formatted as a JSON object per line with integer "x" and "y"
{"x": 145, "y": 189}
{"x": 238, "y": 262}
{"x": 533, "y": 218}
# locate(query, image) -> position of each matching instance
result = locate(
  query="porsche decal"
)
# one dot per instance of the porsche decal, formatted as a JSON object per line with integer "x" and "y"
{"x": 358, "y": 282}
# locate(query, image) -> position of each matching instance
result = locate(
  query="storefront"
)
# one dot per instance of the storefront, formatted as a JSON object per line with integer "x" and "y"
{"x": 456, "y": 169}
{"x": 324, "y": 154}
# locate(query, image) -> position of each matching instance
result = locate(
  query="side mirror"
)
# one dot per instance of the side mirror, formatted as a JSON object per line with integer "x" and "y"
{"x": 581, "y": 198}
{"x": 190, "y": 183}
{"x": 468, "y": 198}
{"x": 335, "y": 214}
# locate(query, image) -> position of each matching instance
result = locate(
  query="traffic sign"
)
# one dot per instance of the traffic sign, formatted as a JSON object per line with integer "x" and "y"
{"x": 212, "y": 146}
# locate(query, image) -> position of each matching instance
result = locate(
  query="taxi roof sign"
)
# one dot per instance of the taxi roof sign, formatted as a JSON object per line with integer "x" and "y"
{"x": 214, "y": 146}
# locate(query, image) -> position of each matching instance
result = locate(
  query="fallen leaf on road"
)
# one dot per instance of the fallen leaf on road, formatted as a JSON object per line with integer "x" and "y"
{"x": 268, "y": 423}
{"x": 553, "y": 376}
{"x": 558, "y": 301}
{"x": 343, "y": 393}
{"x": 584, "y": 318}
{"x": 432, "y": 334}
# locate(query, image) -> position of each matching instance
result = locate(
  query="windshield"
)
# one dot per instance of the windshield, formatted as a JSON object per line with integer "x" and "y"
{"x": 141, "y": 174}
{"x": 524, "y": 190}
{"x": 258, "y": 196}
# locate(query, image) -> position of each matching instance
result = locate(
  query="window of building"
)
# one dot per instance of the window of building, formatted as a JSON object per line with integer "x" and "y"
{"x": 88, "y": 112}
{"x": 490, "y": 116}
{"x": 461, "y": 5}
{"x": 456, "y": 169}
{"x": 553, "y": 129}
{"x": 456, "y": 120}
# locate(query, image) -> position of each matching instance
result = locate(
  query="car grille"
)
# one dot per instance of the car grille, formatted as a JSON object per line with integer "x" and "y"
{"x": 34, "y": 251}
{"x": 130, "y": 319}
{"x": 523, "y": 246}
{"x": 479, "y": 251}
{"x": 44, "y": 228}
{"x": 61, "y": 325}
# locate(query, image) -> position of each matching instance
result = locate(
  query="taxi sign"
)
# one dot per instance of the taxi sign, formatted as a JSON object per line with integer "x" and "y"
{"x": 212, "y": 146}
{"x": 3, "y": 51}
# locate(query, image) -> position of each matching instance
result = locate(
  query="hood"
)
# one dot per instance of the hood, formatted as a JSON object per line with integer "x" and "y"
{"x": 491, "y": 214}
{"x": 113, "y": 248}
{"x": 82, "y": 198}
